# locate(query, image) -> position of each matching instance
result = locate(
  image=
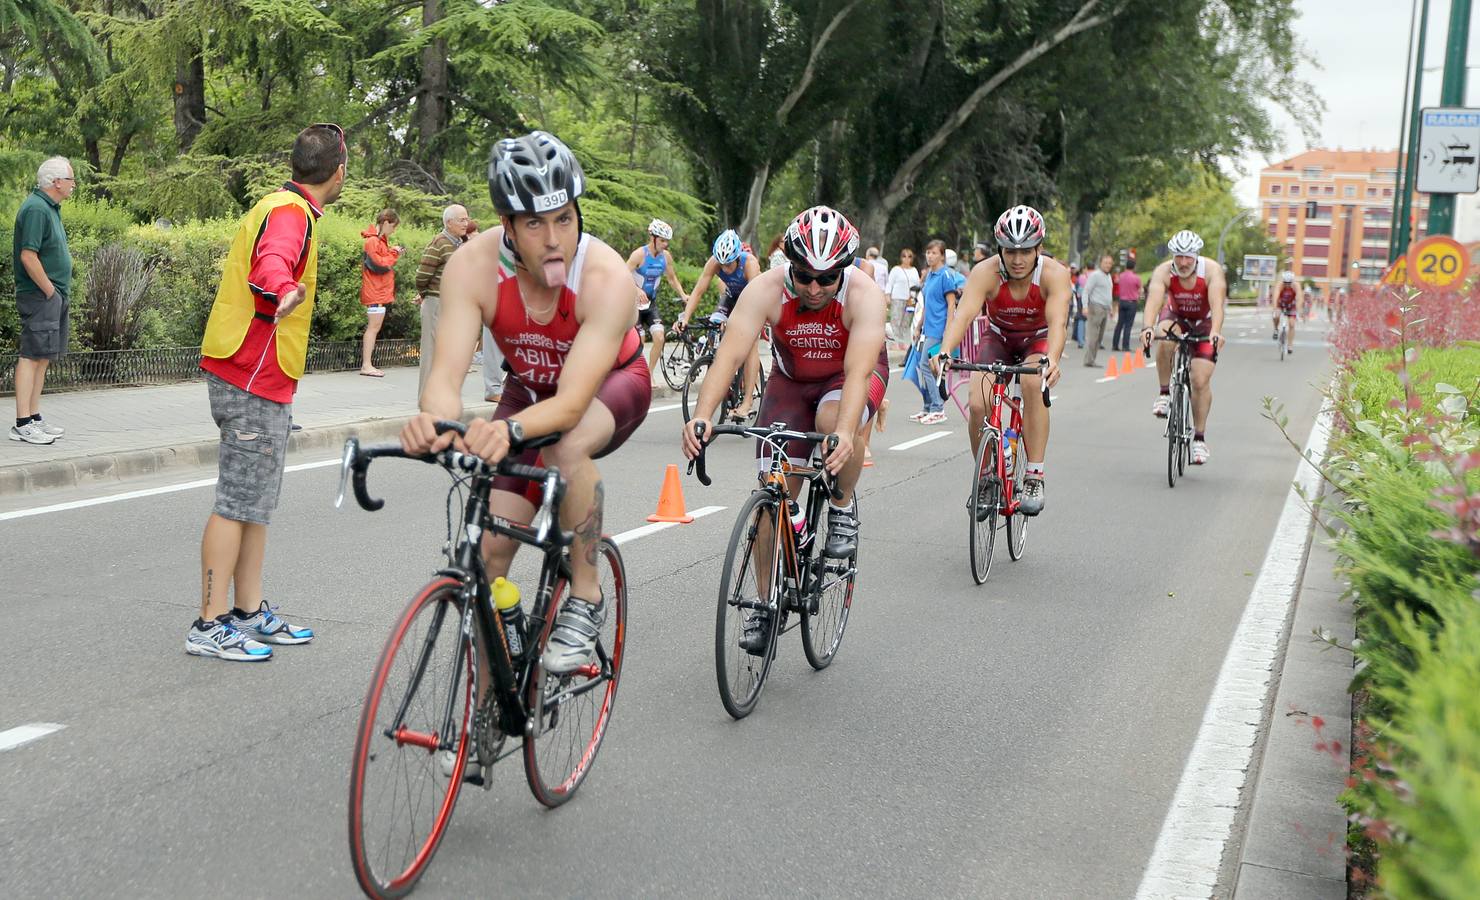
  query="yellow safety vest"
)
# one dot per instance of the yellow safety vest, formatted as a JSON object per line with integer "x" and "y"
{"x": 235, "y": 306}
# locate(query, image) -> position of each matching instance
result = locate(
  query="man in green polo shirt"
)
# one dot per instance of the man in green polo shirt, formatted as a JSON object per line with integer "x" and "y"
{"x": 43, "y": 284}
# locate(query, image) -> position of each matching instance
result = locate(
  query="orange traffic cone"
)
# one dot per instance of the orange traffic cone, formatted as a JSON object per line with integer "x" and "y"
{"x": 1139, "y": 359}
{"x": 1110, "y": 370}
{"x": 670, "y": 501}
{"x": 1127, "y": 363}
{"x": 868, "y": 458}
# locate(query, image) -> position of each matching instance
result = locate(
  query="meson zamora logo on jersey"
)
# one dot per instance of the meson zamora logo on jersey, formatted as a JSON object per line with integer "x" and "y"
{"x": 538, "y": 357}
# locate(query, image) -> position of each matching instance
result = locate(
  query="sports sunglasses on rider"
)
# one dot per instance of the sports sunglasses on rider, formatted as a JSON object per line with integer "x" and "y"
{"x": 339, "y": 131}
{"x": 825, "y": 279}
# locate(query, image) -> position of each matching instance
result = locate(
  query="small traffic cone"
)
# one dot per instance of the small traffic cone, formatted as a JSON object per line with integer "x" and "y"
{"x": 670, "y": 501}
{"x": 1110, "y": 370}
{"x": 1140, "y": 360}
{"x": 868, "y": 457}
{"x": 1127, "y": 363}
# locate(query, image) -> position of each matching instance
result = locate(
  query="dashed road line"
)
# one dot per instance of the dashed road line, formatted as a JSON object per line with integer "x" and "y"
{"x": 633, "y": 534}
{"x": 920, "y": 440}
{"x": 25, "y": 734}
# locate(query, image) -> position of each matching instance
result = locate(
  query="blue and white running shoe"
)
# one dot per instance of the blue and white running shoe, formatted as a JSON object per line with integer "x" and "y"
{"x": 219, "y": 638}
{"x": 264, "y": 625}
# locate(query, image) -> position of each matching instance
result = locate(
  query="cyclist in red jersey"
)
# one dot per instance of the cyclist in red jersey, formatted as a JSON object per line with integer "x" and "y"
{"x": 1289, "y": 299}
{"x": 1025, "y": 296}
{"x": 829, "y": 368}
{"x": 1188, "y": 291}
{"x": 559, "y": 304}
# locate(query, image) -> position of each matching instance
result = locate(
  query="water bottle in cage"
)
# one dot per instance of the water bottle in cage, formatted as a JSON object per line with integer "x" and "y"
{"x": 799, "y": 525}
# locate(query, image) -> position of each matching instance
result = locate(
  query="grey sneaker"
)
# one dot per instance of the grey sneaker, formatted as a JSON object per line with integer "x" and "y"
{"x": 55, "y": 431}
{"x": 1031, "y": 503}
{"x": 573, "y": 639}
{"x": 842, "y": 531}
{"x": 265, "y": 626}
{"x": 31, "y": 433}
{"x": 219, "y": 638}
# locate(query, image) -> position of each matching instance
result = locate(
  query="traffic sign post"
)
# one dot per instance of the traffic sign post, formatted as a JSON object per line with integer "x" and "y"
{"x": 1437, "y": 262}
{"x": 1259, "y": 268}
{"x": 1449, "y": 151}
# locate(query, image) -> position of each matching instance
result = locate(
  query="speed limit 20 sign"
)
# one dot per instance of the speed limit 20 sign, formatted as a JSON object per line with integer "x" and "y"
{"x": 1438, "y": 262}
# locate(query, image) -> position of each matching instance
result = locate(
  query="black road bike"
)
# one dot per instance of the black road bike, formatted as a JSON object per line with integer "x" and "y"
{"x": 429, "y": 706}
{"x": 1179, "y": 412}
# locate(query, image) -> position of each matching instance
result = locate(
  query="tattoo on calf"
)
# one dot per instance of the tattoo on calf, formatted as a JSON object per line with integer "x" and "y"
{"x": 589, "y": 531}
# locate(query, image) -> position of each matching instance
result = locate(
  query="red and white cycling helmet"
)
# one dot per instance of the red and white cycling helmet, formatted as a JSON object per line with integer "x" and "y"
{"x": 1020, "y": 228}
{"x": 820, "y": 239}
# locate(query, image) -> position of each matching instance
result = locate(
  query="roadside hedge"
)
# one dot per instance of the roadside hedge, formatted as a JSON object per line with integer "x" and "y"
{"x": 187, "y": 261}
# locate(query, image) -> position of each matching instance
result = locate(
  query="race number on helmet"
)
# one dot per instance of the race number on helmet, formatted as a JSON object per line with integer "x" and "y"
{"x": 820, "y": 238}
{"x": 1185, "y": 243}
{"x": 535, "y": 173}
{"x": 1020, "y": 228}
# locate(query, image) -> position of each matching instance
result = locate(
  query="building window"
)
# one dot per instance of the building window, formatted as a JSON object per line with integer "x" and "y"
{"x": 1330, "y": 189}
{"x": 1387, "y": 192}
{"x": 1311, "y": 172}
{"x": 1274, "y": 189}
{"x": 1351, "y": 191}
{"x": 1317, "y": 231}
{"x": 1313, "y": 271}
{"x": 1294, "y": 190}
{"x": 1272, "y": 229}
{"x": 1372, "y": 192}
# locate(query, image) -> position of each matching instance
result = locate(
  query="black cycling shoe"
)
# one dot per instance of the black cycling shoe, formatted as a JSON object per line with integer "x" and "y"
{"x": 842, "y": 531}
{"x": 756, "y": 633}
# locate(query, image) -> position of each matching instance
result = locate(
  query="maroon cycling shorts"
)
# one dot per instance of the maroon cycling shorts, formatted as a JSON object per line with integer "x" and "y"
{"x": 1204, "y": 328}
{"x": 795, "y": 404}
{"x": 626, "y": 391}
{"x": 1010, "y": 347}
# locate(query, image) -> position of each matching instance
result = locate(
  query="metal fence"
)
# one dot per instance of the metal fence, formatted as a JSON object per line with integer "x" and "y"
{"x": 83, "y": 370}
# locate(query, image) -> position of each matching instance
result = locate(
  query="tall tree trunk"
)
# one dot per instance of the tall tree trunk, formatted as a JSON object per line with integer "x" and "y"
{"x": 431, "y": 101}
{"x": 752, "y": 219}
{"x": 190, "y": 95}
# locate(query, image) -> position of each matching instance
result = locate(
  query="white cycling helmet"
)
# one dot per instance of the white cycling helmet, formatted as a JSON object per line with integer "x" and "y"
{"x": 1288, "y": 277}
{"x": 820, "y": 238}
{"x": 660, "y": 229}
{"x": 1020, "y": 228}
{"x": 727, "y": 247}
{"x": 1185, "y": 243}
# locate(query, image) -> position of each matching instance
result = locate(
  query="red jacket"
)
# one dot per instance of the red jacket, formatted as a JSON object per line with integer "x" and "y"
{"x": 378, "y": 272}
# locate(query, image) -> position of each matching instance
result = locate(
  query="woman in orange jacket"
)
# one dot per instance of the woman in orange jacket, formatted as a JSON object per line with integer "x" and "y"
{"x": 377, "y": 283}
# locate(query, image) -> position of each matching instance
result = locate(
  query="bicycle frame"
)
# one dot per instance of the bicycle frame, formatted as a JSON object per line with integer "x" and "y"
{"x": 1004, "y": 378}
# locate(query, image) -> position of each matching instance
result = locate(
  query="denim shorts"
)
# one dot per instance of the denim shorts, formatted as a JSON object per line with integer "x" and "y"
{"x": 254, "y": 449}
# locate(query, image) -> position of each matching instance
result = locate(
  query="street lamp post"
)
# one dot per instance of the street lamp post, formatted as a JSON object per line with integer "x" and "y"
{"x": 1241, "y": 214}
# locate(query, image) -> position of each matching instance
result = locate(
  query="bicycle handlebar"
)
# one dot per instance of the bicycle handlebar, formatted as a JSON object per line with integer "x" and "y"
{"x": 764, "y": 432}
{"x": 995, "y": 368}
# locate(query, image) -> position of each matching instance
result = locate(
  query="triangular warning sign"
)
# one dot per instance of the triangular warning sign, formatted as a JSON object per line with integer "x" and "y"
{"x": 1397, "y": 273}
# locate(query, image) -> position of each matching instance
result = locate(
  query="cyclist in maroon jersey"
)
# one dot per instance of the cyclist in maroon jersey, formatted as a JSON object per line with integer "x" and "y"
{"x": 1288, "y": 301}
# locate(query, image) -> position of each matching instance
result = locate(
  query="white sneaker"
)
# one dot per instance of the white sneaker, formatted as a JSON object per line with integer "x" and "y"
{"x": 1162, "y": 406}
{"x": 55, "y": 431}
{"x": 1200, "y": 452}
{"x": 31, "y": 433}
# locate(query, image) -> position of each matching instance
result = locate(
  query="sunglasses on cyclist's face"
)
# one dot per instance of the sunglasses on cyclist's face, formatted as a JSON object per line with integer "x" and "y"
{"x": 823, "y": 279}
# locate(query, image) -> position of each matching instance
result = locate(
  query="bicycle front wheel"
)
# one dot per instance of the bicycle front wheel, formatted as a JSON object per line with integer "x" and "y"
{"x": 749, "y": 586}
{"x": 825, "y": 613}
{"x": 1185, "y": 457}
{"x": 1017, "y": 523}
{"x": 677, "y": 357}
{"x": 571, "y": 711}
{"x": 412, "y": 743}
{"x": 697, "y": 371}
{"x": 986, "y": 501}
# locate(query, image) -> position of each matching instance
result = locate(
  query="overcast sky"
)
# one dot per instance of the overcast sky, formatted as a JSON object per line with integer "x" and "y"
{"x": 1357, "y": 48}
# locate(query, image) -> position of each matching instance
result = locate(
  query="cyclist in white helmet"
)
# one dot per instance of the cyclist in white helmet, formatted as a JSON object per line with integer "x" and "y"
{"x": 650, "y": 263}
{"x": 1288, "y": 306}
{"x": 1025, "y": 296}
{"x": 1187, "y": 292}
{"x": 735, "y": 268}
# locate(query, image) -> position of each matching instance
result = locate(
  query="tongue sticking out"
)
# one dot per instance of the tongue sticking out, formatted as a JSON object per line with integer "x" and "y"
{"x": 554, "y": 272}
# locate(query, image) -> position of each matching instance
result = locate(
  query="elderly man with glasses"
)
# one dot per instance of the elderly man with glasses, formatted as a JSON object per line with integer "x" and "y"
{"x": 43, "y": 284}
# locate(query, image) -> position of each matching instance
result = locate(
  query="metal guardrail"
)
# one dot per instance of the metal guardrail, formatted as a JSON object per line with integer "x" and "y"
{"x": 87, "y": 369}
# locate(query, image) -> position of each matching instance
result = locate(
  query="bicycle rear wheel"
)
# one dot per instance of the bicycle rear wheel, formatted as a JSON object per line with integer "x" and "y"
{"x": 677, "y": 357}
{"x": 571, "y": 711}
{"x": 986, "y": 501}
{"x": 1174, "y": 435}
{"x": 825, "y": 613}
{"x": 741, "y": 674}
{"x": 1017, "y": 523}
{"x": 1184, "y": 459}
{"x": 400, "y": 800}
{"x": 1284, "y": 337}
{"x": 697, "y": 371}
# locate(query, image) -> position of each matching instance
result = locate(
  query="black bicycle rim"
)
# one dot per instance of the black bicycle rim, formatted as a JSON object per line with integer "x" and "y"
{"x": 982, "y": 525}
{"x": 691, "y": 386}
{"x": 832, "y": 600}
{"x": 740, "y": 674}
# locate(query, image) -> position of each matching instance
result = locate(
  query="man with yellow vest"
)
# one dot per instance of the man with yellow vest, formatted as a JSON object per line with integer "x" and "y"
{"x": 253, "y": 354}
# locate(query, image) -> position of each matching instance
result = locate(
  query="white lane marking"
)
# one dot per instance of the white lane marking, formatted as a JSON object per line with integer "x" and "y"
{"x": 920, "y": 440}
{"x": 1189, "y": 849}
{"x": 25, "y": 734}
{"x": 631, "y": 535}
{"x": 145, "y": 492}
{"x": 1103, "y": 380}
{"x": 665, "y": 408}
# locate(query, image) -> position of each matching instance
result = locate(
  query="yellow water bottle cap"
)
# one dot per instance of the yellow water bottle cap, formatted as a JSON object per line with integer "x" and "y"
{"x": 505, "y": 593}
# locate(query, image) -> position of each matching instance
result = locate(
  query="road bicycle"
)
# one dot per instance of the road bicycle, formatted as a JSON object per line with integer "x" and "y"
{"x": 430, "y": 705}
{"x": 997, "y": 478}
{"x": 1179, "y": 410}
{"x": 1283, "y": 336}
{"x": 683, "y": 347}
{"x": 732, "y": 398}
{"x": 775, "y": 566}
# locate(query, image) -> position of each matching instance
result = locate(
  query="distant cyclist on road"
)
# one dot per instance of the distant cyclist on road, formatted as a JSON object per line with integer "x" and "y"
{"x": 827, "y": 337}
{"x": 1026, "y": 297}
{"x": 735, "y": 268}
{"x": 1188, "y": 291}
{"x": 650, "y": 263}
{"x": 559, "y": 304}
{"x": 1289, "y": 300}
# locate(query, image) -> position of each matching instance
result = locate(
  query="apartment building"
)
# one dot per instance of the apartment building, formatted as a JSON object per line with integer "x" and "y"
{"x": 1332, "y": 212}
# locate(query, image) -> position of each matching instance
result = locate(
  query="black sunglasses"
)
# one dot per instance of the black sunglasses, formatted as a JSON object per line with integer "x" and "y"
{"x": 826, "y": 279}
{"x": 337, "y": 130}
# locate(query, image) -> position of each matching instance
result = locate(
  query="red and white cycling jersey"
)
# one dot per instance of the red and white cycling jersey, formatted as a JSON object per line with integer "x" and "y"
{"x": 536, "y": 352}
{"x": 1190, "y": 304}
{"x": 1007, "y": 314}
{"x": 1288, "y": 297}
{"x": 809, "y": 345}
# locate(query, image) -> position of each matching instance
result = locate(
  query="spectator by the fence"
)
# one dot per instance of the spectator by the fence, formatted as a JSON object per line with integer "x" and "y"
{"x": 1127, "y": 295}
{"x": 979, "y": 252}
{"x": 43, "y": 286}
{"x": 377, "y": 282}
{"x": 902, "y": 278}
{"x": 1098, "y": 295}
{"x": 489, "y": 356}
{"x": 881, "y": 269}
{"x": 253, "y": 353}
{"x": 454, "y": 231}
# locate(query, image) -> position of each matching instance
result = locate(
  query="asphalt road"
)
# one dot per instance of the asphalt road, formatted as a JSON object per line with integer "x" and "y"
{"x": 1018, "y": 739}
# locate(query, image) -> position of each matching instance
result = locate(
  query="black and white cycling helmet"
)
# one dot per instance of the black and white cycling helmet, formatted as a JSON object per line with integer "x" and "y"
{"x": 1185, "y": 243}
{"x": 660, "y": 229}
{"x": 1020, "y": 228}
{"x": 820, "y": 238}
{"x": 535, "y": 173}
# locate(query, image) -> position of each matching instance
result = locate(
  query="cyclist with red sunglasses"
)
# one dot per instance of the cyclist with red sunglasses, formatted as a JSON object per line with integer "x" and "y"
{"x": 1025, "y": 296}
{"x": 830, "y": 367}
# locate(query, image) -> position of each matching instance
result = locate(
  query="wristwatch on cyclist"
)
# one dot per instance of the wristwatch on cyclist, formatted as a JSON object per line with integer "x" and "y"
{"x": 516, "y": 431}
